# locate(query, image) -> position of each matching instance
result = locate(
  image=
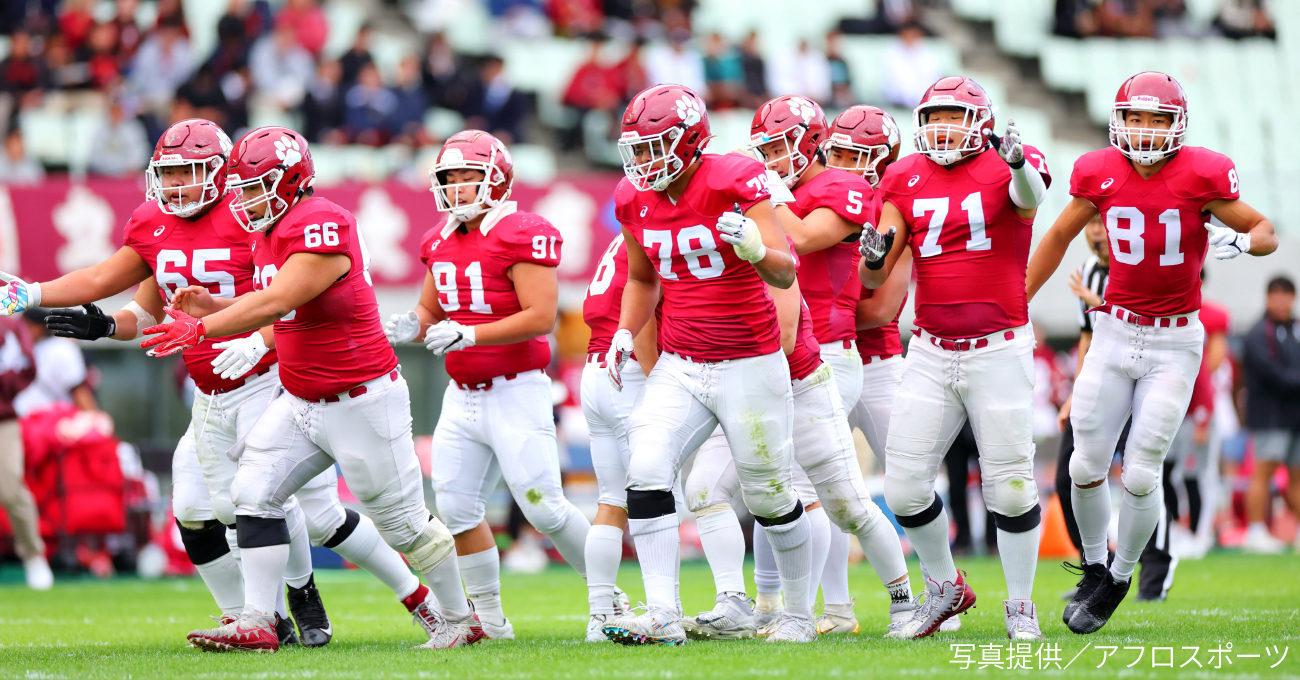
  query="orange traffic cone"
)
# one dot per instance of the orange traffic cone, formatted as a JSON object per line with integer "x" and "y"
{"x": 1055, "y": 543}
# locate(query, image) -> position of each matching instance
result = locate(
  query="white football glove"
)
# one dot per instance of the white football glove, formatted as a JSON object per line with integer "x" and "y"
{"x": 620, "y": 349}
{"x": 18, "y": 295}
{"x": 402, "y": 327}
{"x": 1228, "y": 243}
{"x": 448, "y": 336}
{"x": 874, "y": 246}
{"x": 240, "y": 356}
{"x": 742, "y": 233}
{"x": 1009, "y": 146}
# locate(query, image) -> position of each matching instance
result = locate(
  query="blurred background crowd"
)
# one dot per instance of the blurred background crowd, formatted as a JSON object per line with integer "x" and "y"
{"x": 87, "y": 87}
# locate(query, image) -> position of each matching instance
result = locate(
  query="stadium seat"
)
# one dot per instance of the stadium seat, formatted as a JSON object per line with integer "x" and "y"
{"x": 596, "y": 141}
{"x": 1062, "y": 64}
{"x": 442, "y": 123}
{"x": 978, "y": 10}
{"x": 45, "y": 134}
{"x": 1021, "y": 27}
{"x": 331, "y": 163}
{"x": 388, "y": 51}
{"x": 201, "y": 18}
{"x": 83, "y": 125}
{"x": 730, "y": 129}
{"x": 345, "y": 18}
{"x": 534, "y": 163}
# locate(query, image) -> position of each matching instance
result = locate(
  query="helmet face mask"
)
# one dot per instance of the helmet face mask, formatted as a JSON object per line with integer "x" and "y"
{"x": 664, "y": 130}
{"x": 1150, "y": 138}
{"x": 198, "y": 188}
{"x": 948, "y": 131}
{"x": 858, "y": 159}
{"x": 472, "y": 158}
{"x": 780, "y": 153}
{"x": 649, "y": 162}
{"x": 257, "y": 204}
{"x": 863, "y": 140}
{"x": 269, "y": 172}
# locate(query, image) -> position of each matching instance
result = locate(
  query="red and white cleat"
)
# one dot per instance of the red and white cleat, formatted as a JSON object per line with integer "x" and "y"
{"x": 244, "y": 634}
{"x": 444, "y": 634}
{"x": 941, "y": 603}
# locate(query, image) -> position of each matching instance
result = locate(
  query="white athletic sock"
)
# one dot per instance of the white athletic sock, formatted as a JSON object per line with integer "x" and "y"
{"x": 1092, "y": 514}
{"x": 766, "y": 577}
{"x": 724, "y": 547}
{"x": 603, "y": 553}
{"x": 884, "y": 551}
{"x": 365, "y": 548}
{"x": 931, "y": 544}
{"x": 1138, "y": 517}
{"x": 481, "y": 572}
{"x": 281, "y": 606}
{"x": 1019, "y": 553}
{"x": 264, "y": 578}
{"x": 444, "y": 584}
{"x": 819, "y": 543}
{"x": 835, "y": 575}
{"x": 298, "y": 569}
{"x": 658, "y": 548}
{"x": 792, "y": 543}
{"x": 224, "y": 581}
{"x": 571, "y": 539}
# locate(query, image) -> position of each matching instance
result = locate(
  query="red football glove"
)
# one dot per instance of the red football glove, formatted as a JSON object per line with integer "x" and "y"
{"x": 169, "y": 338}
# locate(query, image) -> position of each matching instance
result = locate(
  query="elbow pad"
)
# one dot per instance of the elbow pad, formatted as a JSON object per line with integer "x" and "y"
{"x": 1027, "y": 187}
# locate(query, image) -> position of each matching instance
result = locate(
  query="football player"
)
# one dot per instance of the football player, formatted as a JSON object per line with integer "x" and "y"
{"x": 702, "y": 229}
{"x": 1156, "y": 196}
{"x": 343, "y": 401}
{"x": 489, "y": 299}
{"x": 183, "y": 235}
{"x": 964, "y": 205}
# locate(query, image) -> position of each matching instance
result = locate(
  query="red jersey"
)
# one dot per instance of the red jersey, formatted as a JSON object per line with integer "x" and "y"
{"x": 1215, "y": 319}
{"x": 210, "y": 250}
{"x": 807, "y": 354}
{"x": 828, "y": 278}
{"x": 882, "y": 341}
{"x": 605, "y": 296}
{"x": 969, "y": 247}
{"x": 470, "y": 269}
{"x": 335, "y": 341}
{"x": 1156, "y": 225}
{"x": 715, "y": 306}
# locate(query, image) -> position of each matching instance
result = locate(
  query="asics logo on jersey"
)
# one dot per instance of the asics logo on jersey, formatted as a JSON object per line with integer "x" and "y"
{"x": 435, "y": 244}
{"x": 802, "y": 108}
{"x": 287, "y": 150}
{"x": 688, "y": 110}
{"x": 159, "y": 230}
{"x": 644, "y": 210}
{"x": 1109, "y": 181}
{"x": 912, "y": 182}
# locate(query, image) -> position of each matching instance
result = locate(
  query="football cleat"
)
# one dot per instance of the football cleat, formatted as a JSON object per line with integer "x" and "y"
{"x": 505, "y": 631}
{"x": 767, "y": 608}
{"x": 732, "y": 618}
{"x": 791, "y": 628}
{"x": 838, "y": 619}
{"x": 242, "y": 634}
{"x": 284, "y": 631}
{"x": 1022, "y": 620}
{"x": 1090, "y": 577}
{"x": 951, "y": 625}
{"x": 1096, "y": 611}
{"x": 655, "y": 626}
{"x": 941, "y": 602}
{"x": 596, "y": 628}
{"x": 444, "y": 634}
{"x": 309, "y": 611}
{"x": 622, "y": 605}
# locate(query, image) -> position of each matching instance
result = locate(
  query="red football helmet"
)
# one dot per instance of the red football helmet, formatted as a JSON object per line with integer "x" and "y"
{"x": 474, "y": 150}
{"x": 961, "y": 94}
{"x": 800, "y": 123}
{"x": 871, "y": 137}
{"x": 278, "y": 161}
{"x": 1158, "y": 93}
{"x": 202, "y": 147}
{"x": 665, "y": 126}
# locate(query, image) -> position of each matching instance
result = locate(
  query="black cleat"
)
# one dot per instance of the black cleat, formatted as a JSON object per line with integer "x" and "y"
{"x": 284, "y": 631}
{"x": 1091, "y": 577}
{"x": 306, "y": 606}
{"x": 1097, "y": 610}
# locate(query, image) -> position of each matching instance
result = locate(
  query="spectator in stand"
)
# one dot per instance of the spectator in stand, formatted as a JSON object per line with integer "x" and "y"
{"x": 407, "y": 119}
{"x": 76, "y": 20}
{"x": 676, "y": 62}
{"x": 281, "y": 68}
{"x": 15, "y": 166}
{"x": 322, "y": 109}
{"x": 889, "y": 17}
{"x": 60, "y": 370}
{"x": 1126, "y": 19}
{"x": 65, "y": 72}
{"x": 17, "y": 371}
{"x": 520, "y": 18}
{"x": 368, "y": 107}
{"x": 232, "y": 45}
{"x": 1075, "y": 19}
{"x": 594, "y": 87}
{"x": 121, "y": 146}
{"x": 910, "y": 67}
{"x": 307, "y": 23}
{"x": 356, "y": 57}
{"x": 842, "y": 95}
{"x": 576, "y": 18}
{"x": 250, "y": 19}
{"x": 172, "y": 11}
{"x": 444, "y": 74}
{"x": 496, "y": 106}
{"x": 1271, "y": 362}
{"x": 103, "y": 67}
{"x": 201, "y": 97}
{"x": 723, "y": 73}
{"x": 804, "y": 72}
{"x": 751, "y": 61}
{"x": 22, "y": 73}
{"x": 161, "y": 64}
{"x": 630, "y": 74}
{"x": 1245, "y": 19}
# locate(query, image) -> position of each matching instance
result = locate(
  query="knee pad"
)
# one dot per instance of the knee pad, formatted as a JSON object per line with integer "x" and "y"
{"x": 851, "y": 512}
{"x": 712, "y": 510}
{"x": 325, "y": 523}
{"x": 1140, "y": 479}
{"x": 548, "y": 515}
{"x": 922, "y": 518}
{"x": 351, "y": 519}
{"x": 260, "y": 532}
{"x": 650, "y": 504}
{"x": 460, "y": 512}
{"x": 1009, "y": 490}
{"x": 908, "y": 497}
{"x": 774, "y": 500}
{"x": 1020, "y": 523}
{"x": 1085, "y": 469}
{"x": 430, "y": 547}
{"x": 204, "y": 541}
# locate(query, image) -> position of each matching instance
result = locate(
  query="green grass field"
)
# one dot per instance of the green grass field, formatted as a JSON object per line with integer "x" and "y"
{"x": 136, "y": 629}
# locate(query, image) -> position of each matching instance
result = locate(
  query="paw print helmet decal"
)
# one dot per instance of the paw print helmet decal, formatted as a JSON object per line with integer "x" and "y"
{"x": 187, "y": 172}
{"x": 472, "y": 150}
{"x": 665, "y": 129}
{"x": 270, "y": 171}
{"x": 798, "y": 122}
{"x": 871, "y": 138}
